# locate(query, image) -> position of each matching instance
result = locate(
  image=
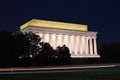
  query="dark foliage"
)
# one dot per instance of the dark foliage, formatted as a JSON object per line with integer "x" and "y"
{"x": 45, "y": 55}
{"x": 63, "y": 55}
{"x": 16, "y": 46}
{"x": 27, "y": 46}
{"x": 49, "y": 56}
{"x": 25, "y": 49}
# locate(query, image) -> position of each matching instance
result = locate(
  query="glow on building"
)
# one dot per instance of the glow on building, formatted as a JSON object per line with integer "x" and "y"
{"x": 54, "y": 24}
{"x": 81, "y": 42}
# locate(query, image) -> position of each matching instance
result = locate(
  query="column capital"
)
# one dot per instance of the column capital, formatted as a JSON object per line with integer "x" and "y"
{"x": 94, "y": 37}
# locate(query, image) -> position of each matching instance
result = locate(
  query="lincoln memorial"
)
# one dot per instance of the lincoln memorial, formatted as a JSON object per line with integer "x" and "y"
{"x": 81, "y": 42}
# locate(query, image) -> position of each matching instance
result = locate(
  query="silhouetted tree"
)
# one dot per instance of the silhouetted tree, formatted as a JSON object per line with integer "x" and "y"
{"x": 26, "y": 46}
{"x": 63, "y": 55}
{"x": 25, "y": 49}
{"x": 18, "y": 48}
{"x": 49, "y": 56}
{"x": 45, "y": 55}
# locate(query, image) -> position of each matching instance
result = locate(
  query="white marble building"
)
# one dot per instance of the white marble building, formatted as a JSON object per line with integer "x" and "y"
{"x": 81, "y": 42}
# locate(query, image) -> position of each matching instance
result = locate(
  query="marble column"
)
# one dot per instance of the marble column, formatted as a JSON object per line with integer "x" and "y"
{"x": 43, "y": 37}
{"x": 46, "y": 37}
{"x": 91, "y": 46}
{"x": 50, "y": 39}
{"x": 86, "y": 45}
{"x": 95, "y": 46}
{"x": 77, "y": 45}
{"x": 72, "y": 44}
{"x": 59, "y": 40}
{"x": 63, "y": 42}
{"x": 80, "y": 45}
{"x": 56, "y": 41}
{"x": 66, "y": 40}
{"x": 53, "y": 36}
{"x": 69, "y": 42}
{"x": 83, "y": 44}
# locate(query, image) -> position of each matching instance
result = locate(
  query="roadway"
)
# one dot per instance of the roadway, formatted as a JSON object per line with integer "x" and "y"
{"x": 57, "y": 69}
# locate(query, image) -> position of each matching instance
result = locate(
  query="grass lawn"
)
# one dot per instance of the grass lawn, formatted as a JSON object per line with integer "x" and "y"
{"x": 90, "y": 75}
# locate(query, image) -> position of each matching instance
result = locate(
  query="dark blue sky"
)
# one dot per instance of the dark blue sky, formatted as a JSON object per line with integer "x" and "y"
{"x": 102, "y": 16}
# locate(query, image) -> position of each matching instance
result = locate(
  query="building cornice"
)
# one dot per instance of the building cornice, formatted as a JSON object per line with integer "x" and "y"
{"x": 54, "y": 24}
{"x": 59, "y": 31}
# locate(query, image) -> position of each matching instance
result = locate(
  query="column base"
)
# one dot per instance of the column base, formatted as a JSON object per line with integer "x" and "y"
{"x": 85, "y": 56}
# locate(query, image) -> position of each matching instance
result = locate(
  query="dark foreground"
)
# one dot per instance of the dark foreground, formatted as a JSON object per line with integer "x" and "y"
{"x": 103, "y": 74}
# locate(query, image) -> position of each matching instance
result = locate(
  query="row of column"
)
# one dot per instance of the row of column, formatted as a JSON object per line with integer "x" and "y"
{"x": 76, "y": 44}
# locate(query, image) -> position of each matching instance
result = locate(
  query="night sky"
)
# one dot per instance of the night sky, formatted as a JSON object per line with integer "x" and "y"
{"x": 102, "y": 16}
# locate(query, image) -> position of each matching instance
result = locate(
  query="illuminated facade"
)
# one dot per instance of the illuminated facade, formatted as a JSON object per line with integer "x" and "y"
{"x": 81, "y": 42}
